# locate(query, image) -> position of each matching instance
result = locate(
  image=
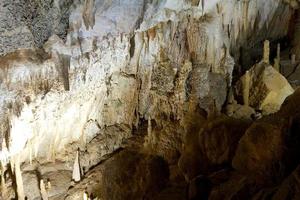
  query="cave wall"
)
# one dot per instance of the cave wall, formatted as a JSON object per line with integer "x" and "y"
{"x": 120, "y": 61}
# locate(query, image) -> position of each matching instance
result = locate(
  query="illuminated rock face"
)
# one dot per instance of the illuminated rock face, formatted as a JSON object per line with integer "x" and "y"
{"x": 117, "y": 63}
{"x": 110, "y": 67}
{"x": 268, "y": 88}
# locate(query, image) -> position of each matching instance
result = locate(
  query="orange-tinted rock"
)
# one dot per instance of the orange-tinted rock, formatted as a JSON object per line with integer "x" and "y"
{"x": 235, "y": 188}
{"x": 260, "y": 147}
{"x": 213, "y": 147}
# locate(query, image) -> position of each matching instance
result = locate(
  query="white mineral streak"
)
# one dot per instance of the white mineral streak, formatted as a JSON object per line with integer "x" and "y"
{"x": 103, "y": 77}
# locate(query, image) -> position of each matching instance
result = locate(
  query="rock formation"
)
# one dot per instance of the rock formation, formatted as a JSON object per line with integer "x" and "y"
{"x": 141, "y": 89}
{"x": 267, "y": 88}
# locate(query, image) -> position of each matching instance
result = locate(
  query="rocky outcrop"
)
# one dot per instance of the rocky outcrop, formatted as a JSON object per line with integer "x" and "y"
{"x": 267, "y": 88}
{"x": 93, "y": 85}
{"x": 113, "y": 71}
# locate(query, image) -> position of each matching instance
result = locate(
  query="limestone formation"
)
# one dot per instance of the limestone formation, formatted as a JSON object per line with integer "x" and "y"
{"x": 266, "y": 53}
{"x": 44, "y": 193}
{"x": 141, "y": 88}
{"x": 277, "y": 64}
{"x": 268, "y": 88}
{"x": 76, "y": 176}
{"x": 293, "y": 59}
{"x": 85, "y": 196}
{"x": 246, "y": 88}
{"x": 19, "y": 179}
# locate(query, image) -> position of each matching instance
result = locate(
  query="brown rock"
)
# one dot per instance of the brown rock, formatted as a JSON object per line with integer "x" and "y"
{"x": 258, "y": 150}
{"x": 237, "y": 187}
{"x": 213, "y": 147}
{"x": 126, "y": 175}
{"x": 290, "y": 188}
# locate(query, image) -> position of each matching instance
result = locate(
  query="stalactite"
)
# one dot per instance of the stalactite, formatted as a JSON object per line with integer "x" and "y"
{"x": 30, "y": 152}
{"x": 146, "y": 41}
{"x": 19, "y": 179}
{"x": 203, "y": 5}
{"x": 43, "y": 190}
{"x": 4, "y": 150}
{"x": 160, "y": 33}
{"x": 149, "y": 141}
{"x": 76, "y": 175}
{"x": 246, "y": 88}
{"x": 36, "y": 148}
{"x": 245, "y": 14}
{"x": 88, "y": 14}
{"x": 12, "y": 165}
{"x": 149, "y": 128}
{"x": 266, "y": 55}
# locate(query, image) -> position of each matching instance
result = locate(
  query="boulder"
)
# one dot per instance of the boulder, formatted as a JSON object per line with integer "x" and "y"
{"x": 213, "y": 147}
{"x": 260, "y": 149}
{"x": 268, "y": 88}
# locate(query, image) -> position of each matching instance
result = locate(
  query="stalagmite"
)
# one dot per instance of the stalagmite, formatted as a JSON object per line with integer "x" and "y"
{"x": 48, "y": 185}
{"x": 293, "y": 59}
{"x": 277, "y": 59}
{"x": 76, "y": 176}
{"x": 278, "y": 52}
{"x": 85, "y": 196}
{"x": 149, "y": 128}
{"x": 276, "y": 64}
{"x": 19, "y": 180}
{"x": 3, "y": 186}
{"x": 44, "y": 193}
{"x": 231, "y": 99}
{"x": 266, "y": 56}
{"x": 149, "y": 139}
{"x": 246, "y": 88}
{"x": 245, "y": 14}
